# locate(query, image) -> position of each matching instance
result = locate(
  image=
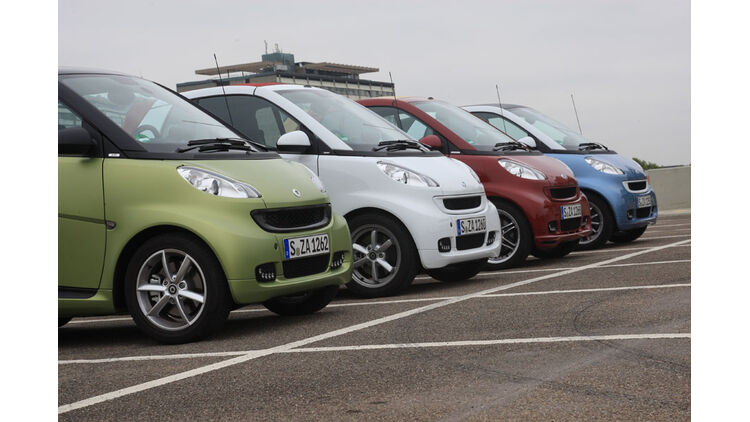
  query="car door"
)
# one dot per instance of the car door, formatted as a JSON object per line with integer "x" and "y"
{"x": 82, "y": 231}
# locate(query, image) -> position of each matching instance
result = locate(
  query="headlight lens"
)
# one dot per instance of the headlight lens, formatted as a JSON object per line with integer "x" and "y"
{"x": 471, "y": 170}
{"x": 216, "y": 184}
{"x": 521, "y": 170}
{"x": 405, "y": 176}
{"x": 316, "y": 180}
{"x": 602, "y": 166}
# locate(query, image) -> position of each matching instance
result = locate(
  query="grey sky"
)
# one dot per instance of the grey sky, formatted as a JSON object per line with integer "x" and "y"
{"x": 627, "y": 62}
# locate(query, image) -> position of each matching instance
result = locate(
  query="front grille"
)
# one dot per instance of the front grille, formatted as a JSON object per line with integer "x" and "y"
{"x": 283, "y": 220}
{"x": 301, "y": 267}
{"x": 469, "y": 241}
{"x": 462, "y": 203}
{"x": 563, "y": 193}
{"x": 570, "y": 224}
{"x": 643, "y": 212}
{"x": 637, "y": 186}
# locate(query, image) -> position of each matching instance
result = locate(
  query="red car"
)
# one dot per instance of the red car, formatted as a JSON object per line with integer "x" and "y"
{"x": 542, "y": 210}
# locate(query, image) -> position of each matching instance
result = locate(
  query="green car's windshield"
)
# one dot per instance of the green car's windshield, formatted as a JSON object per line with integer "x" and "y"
{"x": 470, "y": 128}
{"x": 561, "y": 134}
{"x": 354, "y": 124}
{"x": 156, "y": 118}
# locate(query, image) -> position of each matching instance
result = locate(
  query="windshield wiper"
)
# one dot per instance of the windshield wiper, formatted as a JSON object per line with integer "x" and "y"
{"x": 400, "y": 144}
{"x": 588, "y": 146}
{"x": 510, "y": 146}
{"x": 222, "y": 144}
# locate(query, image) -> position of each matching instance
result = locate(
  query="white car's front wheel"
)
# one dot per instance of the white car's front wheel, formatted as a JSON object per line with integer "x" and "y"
{"x": 384, "y": 256}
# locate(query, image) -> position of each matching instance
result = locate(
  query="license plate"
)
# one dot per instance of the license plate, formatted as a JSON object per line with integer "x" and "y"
{"x": 471, "y": 225}
{"x": 644, "y": 201}
{"x": 300, "y": 247}
{"x": 570, "y": 211}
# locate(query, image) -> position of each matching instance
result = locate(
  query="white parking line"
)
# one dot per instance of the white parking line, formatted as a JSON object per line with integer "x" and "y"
{"x": 610, "y": 250}
{"x": 425, "y": 299}
{"x": 492, "y": 342}
{"x": 669, "y": 231}
{"x": 669, "y": 225}
{"x": 664, "y": 237}
{"x": 331, "y": 334}
{"x": 382, "y": 346}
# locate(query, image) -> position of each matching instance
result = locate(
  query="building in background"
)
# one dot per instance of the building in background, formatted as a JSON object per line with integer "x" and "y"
{"x": 279, "y": 67}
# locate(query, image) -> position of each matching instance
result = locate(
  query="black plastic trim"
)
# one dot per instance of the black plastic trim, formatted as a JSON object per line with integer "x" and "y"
{"x": 75, "y": 292}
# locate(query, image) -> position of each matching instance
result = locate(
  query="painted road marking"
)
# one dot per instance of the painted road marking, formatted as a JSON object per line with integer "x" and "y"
{"x": 389, "y": 346}
{"x": 664, "y": 237}
{"x": 331, "y": 334}
{"x": 425, "y": 299}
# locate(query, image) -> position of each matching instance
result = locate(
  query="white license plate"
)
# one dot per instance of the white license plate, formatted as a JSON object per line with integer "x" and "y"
{"x": 300, "y": 247}
{"x": 471, "y": 225}
{"x": 570, "y": 211}
{"x": 644, "y": 201}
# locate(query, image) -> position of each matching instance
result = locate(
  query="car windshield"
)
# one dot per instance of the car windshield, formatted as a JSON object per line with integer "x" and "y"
{"x": 156, "y": 118}
{"x": 470, "y": 128}
{"x": 558, "y": 132}
{"x": 354, "y": 124}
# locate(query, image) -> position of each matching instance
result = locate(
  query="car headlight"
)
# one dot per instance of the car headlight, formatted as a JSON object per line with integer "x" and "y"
{"x": 216, "y": 184}
{"x": 316, "y": 180}
{"x": 471, "y": 170}
{"x": 602, "y": 166}
{"x": 521, "y": 170}
{"x": 405, "y": 176}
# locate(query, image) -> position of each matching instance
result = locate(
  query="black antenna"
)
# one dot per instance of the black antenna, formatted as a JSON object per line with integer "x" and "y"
{"x": 576, "y": 111}
{"x": 394, "y": 88}
{"x": 222, "y": 90}
{"x": 497, "y": 89}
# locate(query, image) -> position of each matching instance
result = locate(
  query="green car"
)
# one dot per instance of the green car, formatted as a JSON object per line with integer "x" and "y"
{"x": 166, "y": 212}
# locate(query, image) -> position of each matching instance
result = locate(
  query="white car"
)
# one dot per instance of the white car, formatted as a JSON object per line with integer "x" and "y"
{"x": 405, "y": 204}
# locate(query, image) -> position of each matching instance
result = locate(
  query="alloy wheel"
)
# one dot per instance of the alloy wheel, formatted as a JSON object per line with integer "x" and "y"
{"x": 596, "y": 224}
{"x": 377, "y": 256}
{"x": 510, "y": 238}
{"x": 171, "y": 289}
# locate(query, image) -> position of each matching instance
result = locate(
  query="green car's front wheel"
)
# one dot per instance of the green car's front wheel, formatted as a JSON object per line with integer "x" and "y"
{"x": 175, "y": 289}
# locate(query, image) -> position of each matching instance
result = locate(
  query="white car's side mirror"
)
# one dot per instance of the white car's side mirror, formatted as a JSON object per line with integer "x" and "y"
{"x": 296, "y": 141}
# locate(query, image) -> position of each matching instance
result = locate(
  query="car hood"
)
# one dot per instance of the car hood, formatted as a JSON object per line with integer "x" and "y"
{"x": 558, "y": 174}
{"x": 454, "y": 177}
{"x": 275, "y": 179}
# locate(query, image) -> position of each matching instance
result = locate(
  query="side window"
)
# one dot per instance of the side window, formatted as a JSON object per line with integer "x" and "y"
{"x": 388, "y": 113}
{"x": 66, "y": 118}
{"x": 511, "y": 129}
{"x": 255, "y": 118}
{"x": 413, "y": 126}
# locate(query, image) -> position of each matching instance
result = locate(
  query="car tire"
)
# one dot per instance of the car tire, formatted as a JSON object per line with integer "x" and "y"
{"x": 370, "y": 233}
{"x": 602, "y": 222}
{"x": 558, "y": 251}
{"x": 302, "y": 304}
{"x": 188, "y": 301}
{"x": 457, "y": 272}
{"x": 626, "y": 236}
{"x": 62, "y": 321}
{"x": 517, "y": 239}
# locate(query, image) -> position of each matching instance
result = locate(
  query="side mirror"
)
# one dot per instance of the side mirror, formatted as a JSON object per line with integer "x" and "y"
{"x": 296, "y": 141}
{"x": 75, "y": 141}
{"x": 433, "y": 142}
{"x": 528, "y": 140}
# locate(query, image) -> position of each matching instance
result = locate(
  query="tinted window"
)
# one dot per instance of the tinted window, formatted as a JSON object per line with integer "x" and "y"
{"x": 67, "y": 118}
{"x": 254, "y": 117}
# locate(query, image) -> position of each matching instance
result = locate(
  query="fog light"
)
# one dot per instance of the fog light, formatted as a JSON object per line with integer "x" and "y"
{"x": 265, "y": 272}
{"x": 444, "y": 244}
{"x": 630, "y": 214}
{"x": 337, "y": 260}
{"x": 490, "y": 238}
{"x": 552, "y": 226}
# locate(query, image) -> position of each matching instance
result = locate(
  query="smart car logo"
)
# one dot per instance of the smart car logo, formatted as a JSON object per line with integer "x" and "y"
{"x": 297, "y": 193}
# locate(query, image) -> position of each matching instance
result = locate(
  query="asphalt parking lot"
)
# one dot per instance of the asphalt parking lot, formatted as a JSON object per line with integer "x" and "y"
{"x": 597, "y": 335}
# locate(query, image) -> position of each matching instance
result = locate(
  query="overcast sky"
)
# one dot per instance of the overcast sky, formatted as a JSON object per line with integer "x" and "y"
{"x": 626, "y": 62}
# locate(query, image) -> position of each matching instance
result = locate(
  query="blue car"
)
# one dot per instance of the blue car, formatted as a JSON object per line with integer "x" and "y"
{"x": 622, "y": 201}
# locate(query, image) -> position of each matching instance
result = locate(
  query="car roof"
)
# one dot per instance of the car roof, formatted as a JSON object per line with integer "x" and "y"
{"x": 73, "y": 70}
{"x": 508, "y": 106}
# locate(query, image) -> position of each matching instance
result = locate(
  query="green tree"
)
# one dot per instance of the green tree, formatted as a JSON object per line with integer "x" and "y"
{"x": 647, "y": 165}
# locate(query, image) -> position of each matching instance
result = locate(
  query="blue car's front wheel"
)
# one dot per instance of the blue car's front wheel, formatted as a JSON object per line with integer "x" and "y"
{"x": 602, "y": 223}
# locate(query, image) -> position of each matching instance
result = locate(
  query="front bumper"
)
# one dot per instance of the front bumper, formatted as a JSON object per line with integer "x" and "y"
{"x": 440, "y": 223}
{"x": 548, "y": 226}
{"x": 629, "y": 216}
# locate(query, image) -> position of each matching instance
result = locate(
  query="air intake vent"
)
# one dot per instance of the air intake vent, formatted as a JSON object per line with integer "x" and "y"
{"x": 563, "y": 193}
{"x": 462, "y": 203}
{"x": 570, "y": 224}
{"x": 305, "y": 266}
{"x": 637, "y": 186}
{"x": 283, "y": 220}
{"x": 469, "y": 241}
